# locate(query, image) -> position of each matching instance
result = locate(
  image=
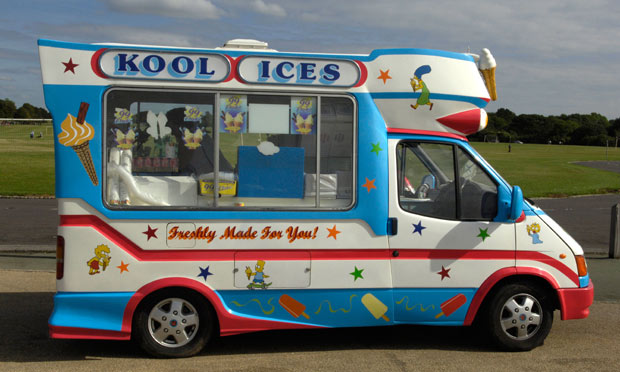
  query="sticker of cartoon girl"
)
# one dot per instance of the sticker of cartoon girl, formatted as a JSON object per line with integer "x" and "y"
{"x": 417, "y": 83}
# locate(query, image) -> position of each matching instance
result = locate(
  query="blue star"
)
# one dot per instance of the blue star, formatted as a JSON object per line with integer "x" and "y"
{"x": 204, "y": 272}
{"x": 418, "y": 228}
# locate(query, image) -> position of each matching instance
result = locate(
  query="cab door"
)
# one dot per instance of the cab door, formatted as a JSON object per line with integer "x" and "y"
{"x": 447, "y": 242}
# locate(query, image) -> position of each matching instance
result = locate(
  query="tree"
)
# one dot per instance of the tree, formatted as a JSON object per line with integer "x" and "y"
{"x": 7, "y": 108}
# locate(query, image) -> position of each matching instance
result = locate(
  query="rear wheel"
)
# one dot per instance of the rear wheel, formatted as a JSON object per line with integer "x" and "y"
{"x": 173, "y": 323}
{"x": 519, "y": 317}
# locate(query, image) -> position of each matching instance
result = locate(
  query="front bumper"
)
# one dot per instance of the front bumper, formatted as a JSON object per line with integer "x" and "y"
{"x": 575, "y": 302}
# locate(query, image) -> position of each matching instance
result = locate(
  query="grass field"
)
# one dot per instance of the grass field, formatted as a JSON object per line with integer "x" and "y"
{"x": 27, "y": 165}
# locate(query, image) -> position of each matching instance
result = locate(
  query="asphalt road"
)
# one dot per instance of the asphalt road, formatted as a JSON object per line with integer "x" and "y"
{"x": 30, "y": 224}
{"x": 27, "y": 287}
{"x": 590, "y": 344}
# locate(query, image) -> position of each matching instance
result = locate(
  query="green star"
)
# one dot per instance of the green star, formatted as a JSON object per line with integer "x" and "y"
{"x": 376, "y": 148}
{"x": 483, "y": 234}
{"x": 357, "y": 273}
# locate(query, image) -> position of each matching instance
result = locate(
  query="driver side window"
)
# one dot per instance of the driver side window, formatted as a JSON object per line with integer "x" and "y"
{"x": 443, "y": 181}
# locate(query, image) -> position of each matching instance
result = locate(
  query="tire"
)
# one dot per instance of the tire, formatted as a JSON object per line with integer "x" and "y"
{"x": 519, "y": 317}
{"x": 173, "y": 324}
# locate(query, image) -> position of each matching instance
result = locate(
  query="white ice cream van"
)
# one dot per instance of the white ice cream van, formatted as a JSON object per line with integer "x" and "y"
{"x": 238, "y": 189}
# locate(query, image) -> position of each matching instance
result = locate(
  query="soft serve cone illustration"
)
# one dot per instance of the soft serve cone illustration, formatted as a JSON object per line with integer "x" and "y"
{"x": 487, "y": 66}
{"x": 77, "y": 133}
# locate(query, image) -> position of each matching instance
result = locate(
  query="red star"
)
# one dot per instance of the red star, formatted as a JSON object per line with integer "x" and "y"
{"x": 70, "y": 66}
{"x": 444, "y": 272}
{"x": 370, "y": 184}
{"x": 385, "y": 75}
{"x": 150, "y": 233}
{"x": 123, "y": 267}
{"x": 333, "y": 232}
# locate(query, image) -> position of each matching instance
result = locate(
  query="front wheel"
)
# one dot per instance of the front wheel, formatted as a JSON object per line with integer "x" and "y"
{"x": 173, "y": 323}
{"x": 519, "y": 317}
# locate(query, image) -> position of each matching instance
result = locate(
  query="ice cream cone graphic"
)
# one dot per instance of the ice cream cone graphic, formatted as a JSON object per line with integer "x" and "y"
{"x": 77, "y": 133}
{"x": 487, "y": 67}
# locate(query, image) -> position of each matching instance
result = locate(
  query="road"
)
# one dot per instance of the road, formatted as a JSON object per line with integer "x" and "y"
{"x": 30, "y": 224}
{"x": 27, "y": 289}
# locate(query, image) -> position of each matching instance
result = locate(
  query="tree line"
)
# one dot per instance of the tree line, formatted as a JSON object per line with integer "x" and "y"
{"x": 504, "y": 125}
{"x": 8, "y": 109}
{"x": 574, "y": 129}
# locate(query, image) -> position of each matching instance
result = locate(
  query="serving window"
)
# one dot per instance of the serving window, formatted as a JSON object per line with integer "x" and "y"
{"x": 228, "y": 150}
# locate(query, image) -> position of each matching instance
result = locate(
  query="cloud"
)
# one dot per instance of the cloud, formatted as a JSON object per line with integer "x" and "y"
{"x": 193, "y": 9}
{"x": 269, "y": 9}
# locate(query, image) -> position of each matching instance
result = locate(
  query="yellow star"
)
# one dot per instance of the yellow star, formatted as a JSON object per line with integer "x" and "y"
{"x": 370, "y": 184}
{"x": 333, "y": 232}
{"x": 385, "y": 75}
{"x": 123, "y": 267}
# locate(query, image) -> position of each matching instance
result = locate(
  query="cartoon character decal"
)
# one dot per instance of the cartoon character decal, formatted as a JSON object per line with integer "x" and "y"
{"x": 533, "y": 230}
{"x": 417, "y": 83}
{"x": 100, "y": 261}
{"x": 259, "y": 275}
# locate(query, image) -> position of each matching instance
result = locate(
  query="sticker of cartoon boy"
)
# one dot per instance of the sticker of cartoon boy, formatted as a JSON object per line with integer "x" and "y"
{"x": 259, "y": 276}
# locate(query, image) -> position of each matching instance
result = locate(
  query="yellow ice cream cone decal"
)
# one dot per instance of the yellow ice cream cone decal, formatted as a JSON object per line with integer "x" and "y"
{"x": 77, "y": 133}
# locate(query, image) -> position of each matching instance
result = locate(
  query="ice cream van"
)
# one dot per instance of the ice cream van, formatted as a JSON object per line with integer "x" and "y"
{"x": 207, "y": 192}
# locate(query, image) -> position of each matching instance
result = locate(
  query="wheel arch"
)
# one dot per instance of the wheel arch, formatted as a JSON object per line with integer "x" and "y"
{"x": 524, "y": 275}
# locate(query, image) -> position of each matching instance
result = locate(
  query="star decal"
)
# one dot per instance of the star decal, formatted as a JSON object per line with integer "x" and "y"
{"x": 417, "y": 228}
{"x": 204, "y": 273}
{"x": 70, "y": 66}
{"x": 150, "y": 233}
{"x": 123, "y": 267}
{"x": 384, "y": 75}
{"x": 357, "y": 273}
{"x": 483, "y": 234}
{"x": 370, "y": 184}
{"x": 376, "y": 148}
{"x": 444, "y": 273}
{"x": 333, "y": 232}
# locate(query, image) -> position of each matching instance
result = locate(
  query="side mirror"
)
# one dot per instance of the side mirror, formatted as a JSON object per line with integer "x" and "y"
{"x": 516, "y": 203}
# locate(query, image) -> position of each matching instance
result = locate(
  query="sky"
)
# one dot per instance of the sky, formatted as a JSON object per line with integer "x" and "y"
{"x": 553, "y": 56}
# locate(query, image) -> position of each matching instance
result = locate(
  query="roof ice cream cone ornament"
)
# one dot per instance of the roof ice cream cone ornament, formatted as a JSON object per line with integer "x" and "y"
{"x": 487, "y": 66}
{"x": 77, "y": 133}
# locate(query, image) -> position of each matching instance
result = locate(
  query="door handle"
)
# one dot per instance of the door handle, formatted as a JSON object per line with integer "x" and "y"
{"x": 395, "y": 253}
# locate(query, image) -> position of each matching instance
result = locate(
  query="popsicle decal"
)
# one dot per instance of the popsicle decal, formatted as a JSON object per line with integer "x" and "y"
{"x": 422, "y": 308}
{"x": 483, "y": 234}
{"x": 294, "y": 307}
{"x": 451, "y": 305}
{"x": 375, "y": 306}
{"x": 418, "y": 83}
{"x": 100, "y": 261}
{"x": 533, "y": 230}
{"x": 77, "y": 133}
{"x": 260, "y": 305}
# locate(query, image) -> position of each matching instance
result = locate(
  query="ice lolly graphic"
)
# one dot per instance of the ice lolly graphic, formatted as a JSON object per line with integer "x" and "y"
{"x": 487, "y": 66}
{"x": 77, "y": 133}
{"x": 293, "y": 306}
{"x": 376, "y": 307}
{"x": 452, "y": 305}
